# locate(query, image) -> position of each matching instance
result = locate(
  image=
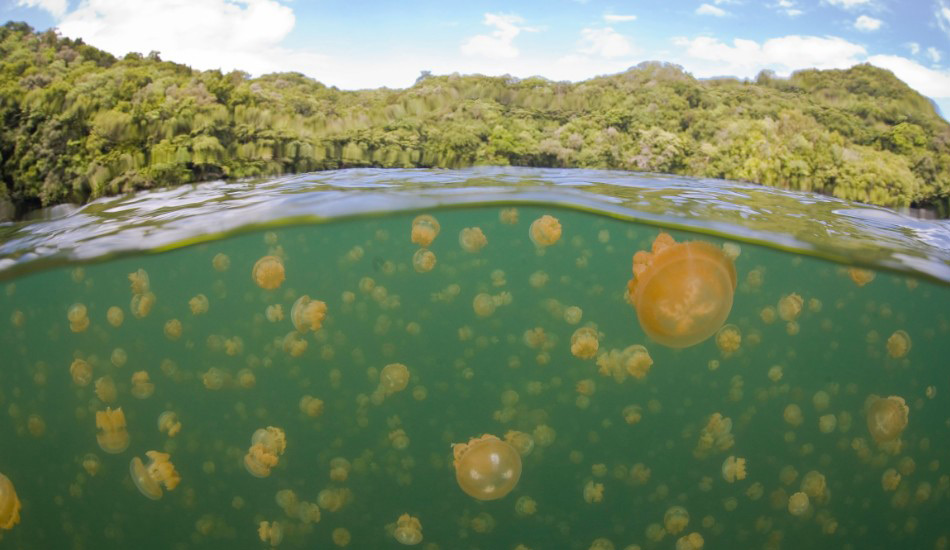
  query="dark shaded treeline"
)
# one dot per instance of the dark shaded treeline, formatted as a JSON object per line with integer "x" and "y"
{"x": 77, "y": 124}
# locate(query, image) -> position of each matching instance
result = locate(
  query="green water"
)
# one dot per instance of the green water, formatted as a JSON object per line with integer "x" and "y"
{"x": 461, "y": 365}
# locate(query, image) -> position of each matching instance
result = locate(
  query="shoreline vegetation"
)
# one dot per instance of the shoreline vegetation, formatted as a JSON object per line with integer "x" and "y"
{"x": 79, "y": 123}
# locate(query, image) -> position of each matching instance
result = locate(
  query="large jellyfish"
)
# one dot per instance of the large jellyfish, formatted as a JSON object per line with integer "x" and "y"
{"x": 486, "y": 467}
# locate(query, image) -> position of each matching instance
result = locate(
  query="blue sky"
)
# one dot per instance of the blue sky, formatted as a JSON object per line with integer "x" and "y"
{"x": 363, "y": 44}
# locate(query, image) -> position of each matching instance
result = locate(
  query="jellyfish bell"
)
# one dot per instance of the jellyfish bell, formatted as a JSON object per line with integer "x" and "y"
{"x": 425, "y": 229}
{"x": 308, "y": 314}
{"x": 886, "y": 417}
{"x": 408, "y": 530}
{"x": 268, "y": 272}
{"x": 682, "y": 292}
{"x": 114, "y": 438}
{"x": 486, "y": 468}
{"x": 545, "y": 231}
{"x": 9, "y": 504}
{"x": 144, "y": 482}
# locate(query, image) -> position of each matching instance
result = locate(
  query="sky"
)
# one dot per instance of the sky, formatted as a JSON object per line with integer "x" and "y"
{"x": 355, "y": 44}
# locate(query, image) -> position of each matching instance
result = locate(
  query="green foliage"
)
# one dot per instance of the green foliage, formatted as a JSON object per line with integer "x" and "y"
{"x": 76, "y": 123}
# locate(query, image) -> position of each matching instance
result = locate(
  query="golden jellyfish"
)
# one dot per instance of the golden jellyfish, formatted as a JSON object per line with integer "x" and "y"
{"x": 632, "y": 414}
{"x": 423, "y": 260}
{"x": 115, "y": 316}
{"x": 339, "y": 469}
{"x": 593, "y": 492}
{"x": 311, "y": 406}
{"x": 729, "y": 339}
{"x": 198, "y": 304}
{"x": 142, "y": 387}
{"x": 733, "y": 469}
{"x": 149, "y": 478}
{"x": 682, "y": 291}
{"x": 142, "y": 304}
{"x": 715, "y": 436}
{"x": 545, "y": 231}
{"x": 221, "y": 262}
{"x": 790, "y": 306}
{"x": 526, "y": 506}
{"x": 341, "y": 536}
{"x": 890, "y": 479}
{"x": 675, "y": 519}
{"x": 139, "y": 281}
{"x": 9, "y": 504}
{"x": 486, "y": 468}
{"x": 168, "y": 423}
{"x": 308, "y": 314}
{"x": 798, "y": 504}
{"x": 267, "y": 444}
{"x": 408, "y": 530}
{"x": 270, "y": 532}
{"x": 294, "y": 344}
{"x": 508, "y": 216}
{"x": 268, "y": 272}
{"x": 106, "y": 390}
{"x": 173, "y": 329}
{"x": 887, "y": 417}
{"x": 793, "y": 415}
{"x": 425, "y": 229}
{"x": 393, "y": 378}
{"x": 573, "y": 314}
{"x": 274, "y": 313}
{"x": 584, "y": 343}
{"x": 81, "y": 371}
{"x": 521, "y": 441}
{"x": 860, "y": 277}
{"x": 898, "y": 344}
{"x": 471, "y": 239}
{"x": 90, "y": 463}
{"x": 114, "y": 438}
{"x": 77, "y": 316}
{"x": 814, "y": 484}
{"x": 692, "y": 541}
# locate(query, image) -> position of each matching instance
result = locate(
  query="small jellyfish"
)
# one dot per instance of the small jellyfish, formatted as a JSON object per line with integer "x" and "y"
{"x": 173, "y": 329}
{"x": 729, "y": 339}
{"x": 790, "y": 306}
{"x": 793, "y": 415}
{"x": 150, "y": 477}
{"x": 168, "y": 423}
{"x": 142, "y": 387}
{"x": 114, "y": 438}
{"x": 393, "y": 378}
{"x": 341, "y": 536}
{"x": 311, "y": 406}
{"x": 274, "y": 313}
{"x": 508, "y": 216}
{"x": 860, "y": 277}
{"x": 425, "y": 229}
{"x": 77, "y": 316}
{"x": 584, "y": 343}
{"x": 90, "y": 463}
{"x": 198, "y": 304}
{"x": 526, "y": 506}
{"x": 270, "y": 532}
{"x": 294, "y": 344}
{"x": 675, "y": 519}
{"x": 221, "y": 262}
{"x": 682, "y": 292}
{"x": 139, "y": 281}
{"x": 339, "y": 469}
{"x": 9, "y": 504}
{"x": 423, "y": 260}
{"x": 267, "y": 444}
{"x": 733, "y": 469}
{"x": 798, "y": 504}
{"x": 890, "y": 479}
{"x": 486, "y": 468}
{"x": 521, "y": 441}
{"x": 545, "y": 231}
{"x": 898, "y": 344}
{"x": 887, "y": 417}
{"x": 81, "y": 372}
{"x": 471, "y": 239}
{"x": 115, "y": 316}
{"x": 268, "y": 272}
{"x": 106, "y": 390}
{"x": 483, "y": 304}
{"x": 308, "y": 314}
{"x": 408, "y": 530}
{"x": 814, "y": 484}
{"x": 593, "y": 492}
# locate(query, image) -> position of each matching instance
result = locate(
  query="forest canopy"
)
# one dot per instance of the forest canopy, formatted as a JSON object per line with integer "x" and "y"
{"x": 78, "y": 123}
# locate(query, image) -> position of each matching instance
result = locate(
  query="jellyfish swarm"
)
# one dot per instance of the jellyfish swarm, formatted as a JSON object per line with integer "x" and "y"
{"x": 486, "y": 467}
{"x": 682, "y": 291}
{"x": 150, "y": 478}
{"x": 9, "y": 504}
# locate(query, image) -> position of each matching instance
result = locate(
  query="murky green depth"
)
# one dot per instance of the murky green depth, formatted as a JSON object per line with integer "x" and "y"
{"x": 460, "y": 365}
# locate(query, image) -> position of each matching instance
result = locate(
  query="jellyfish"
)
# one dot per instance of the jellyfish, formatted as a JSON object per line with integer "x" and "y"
{"x": 173, "y": 329}
{"x": 887, "y": 418}
{"x": 311, "y": 406}
{"x": 293, "y": 344}
{"x": 898, "y": 344}
{"x": 798, "y": 504}
{"x": 814, "y": 484}
{"x": 333, "y": 500}
{"x": 682, "y": 292}
{"x": 270, "y": 532}
{"x": 860, "y": 277}
{"x": 139, "y": 281}
{"x": 393, "y": 378}
{"x": 408, "y": 530}
{"x": 341, "y": 536}
{"x": 267, "y": 444}
{"x": 632, "y": 414}
{"x": 113, "y": 438}
{"x": 115, "y": 316}
{"x": 508, "y": 216}
{"x": 221, "y": 262}
{"x": 150, "y": 477}
{"x": 675, "y": 519}
{"x": 77, "y": 316}
{"x": 827, "y": 423}
{"x": 526, "y": 506}
{"x": 728, "y": 339}
{"x": 142, "y": 387}
{"x": 198, "y": 304}
{"x": 715, "y": 436}
{"x": 692, "y": 541}
{"x": 399, "y": 439}
{"x": 584, "y": 343}
{"x": 733, "y": 469}
{"x": 486, "y": 468}
{"x": 308, "y": 314}
{"x": 545, "y": 231}
{"x": 425, "y": 229}
{"x": 274, "y": 313}
{"x": 521, "y": 441}
{"x": 790, "y": 306}
{"x": 106, "y": 390}
{"x": 793, "y": 415}
{"x": 593, "y": 492}
{"x": 81, "y": 371}
{"x": 471, "y": 239}
{"x": 9, "y": 504}
{"x": 168, "y": 423}
{"x": 268, "y": 272}
{"x": 90, "y": 463}
{"x": 890, "y": 479}
{"x": 423, "y": 260}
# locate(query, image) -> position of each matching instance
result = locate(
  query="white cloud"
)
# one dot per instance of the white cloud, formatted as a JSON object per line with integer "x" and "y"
{"x": 930, "y": 82}
{"x": 498, "y": 44}
{"x": 943, "y": 16}
{"x": 867, "y": 24}
{"x": 913, "y": 47}
{"x": 604, "y": 42}
{"x": 205, "y": 34}
{"x": 788, "y": 8}
{"x": 848, "y": 4}
{"x": 55, "y": 7}
{"x": 709, "y": 9}
{"x": 615, "y": 18}
{"x": 934, "y": 54}
{"x": 706, "y": 56}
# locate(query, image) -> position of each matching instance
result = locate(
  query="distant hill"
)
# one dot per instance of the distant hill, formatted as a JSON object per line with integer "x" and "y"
{"x": 77, "y": 124}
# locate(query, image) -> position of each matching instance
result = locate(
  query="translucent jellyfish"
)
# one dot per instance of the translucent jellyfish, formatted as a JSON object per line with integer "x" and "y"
{"x": 425, "y": 229}
{"x": 860, "y": 277}
{"x": 149, "y": 478}
{"x": 267, "y": 444}
{"x": 274, "y": 313}
{"x": 632, "y": 414}
{"x": 268, "y": 272}
{"x": 142, "y": 304}
{"x": 793, "y": 415}
{"x": 633, "y": 360}
{"x": 311, "y": 406}
{"x": 716, "y": 436}
{"x": 173, "y": 329}
{"x": 393, "y": 378}
{"x": 593, "y": 492}
{"x": 339, "y": 469}
{"x": 221, "y": 262}
{"x": 887, "y": 417}
{"x": 890, "y": 479}
{"x": 682, "y": 291}
{"x": 584, "y": 343}
{"x": 139, "y": 281}
{"x": 483, "y": 304}
{"x": 675, "y": 519}
{"x": 898, "y": 344}
{"x": 729, "y": 339}
{"x": 508, "y": 216}
{"x": 471, "y": 239}
{"x": 77, "y": 316}
{"x": 692, "y": 541}
{"x": 113, "y": 437}
{"x": 308, "y": 314}
{"x": 90, "y": 463}
{"x": 545, "y": 231}
{"x": 486, "y": 468}
{"x": 408, "y": 530}
{"x": 198, "y": 304}
{"x": 294, "y": 345}
{"x": 341, "y": 536}
{"x": 270, "y": 532}
{"x": 106, "y": 390}
{"x": 775, "y": 373}
{"x": 814, "y": 484}
{"x": 81, "y": 371}
{"x": 142, "y": 387}
{"x": 214, "y": 379}
{"x": 168, "y": 423}
{"x": 573, "y": 315}
{"x": 798, "y": 504}
{"x": 790, "y": 306}
{"x": 827, "y": 423}
{"x": 115, "y": 316}
{"x": 733, "y": 469}
{"x": 9, "y": 504}
{"x": 521, "y": 441}
{"x": 399, "y": 439}
{"x": 423, "y": 260}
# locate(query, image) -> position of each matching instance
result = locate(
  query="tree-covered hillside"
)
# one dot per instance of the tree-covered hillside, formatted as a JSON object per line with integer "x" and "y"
{"x": 77, "y": 123}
